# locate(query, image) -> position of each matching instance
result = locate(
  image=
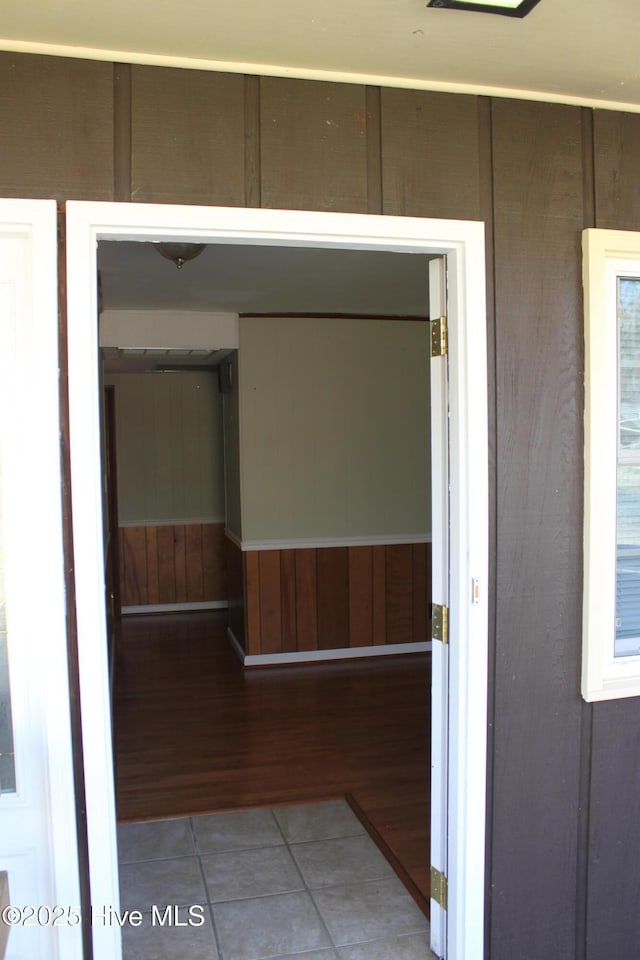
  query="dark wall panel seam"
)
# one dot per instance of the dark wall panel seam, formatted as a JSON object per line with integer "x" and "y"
{"x": 588, "y": 168}
{"x": 586, "y": 718}
{"x": 122, "y": 131}
{"x": 386, "y": 594}
{"x": 584, "y": 830}
{"x": 252, "y": 175}
{"x": 374, "y": 150}
{"x": 73, "y": 667}
{"x": 485, "y": 173}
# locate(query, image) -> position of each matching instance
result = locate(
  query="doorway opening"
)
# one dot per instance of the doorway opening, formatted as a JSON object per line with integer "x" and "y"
{"x": 333, "y": 463}
{"x": 88, "y": 223}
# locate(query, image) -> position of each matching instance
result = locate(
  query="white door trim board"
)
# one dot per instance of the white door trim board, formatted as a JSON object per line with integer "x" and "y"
{"x": 440, "y": 594}
{"x": 463, "y": 243}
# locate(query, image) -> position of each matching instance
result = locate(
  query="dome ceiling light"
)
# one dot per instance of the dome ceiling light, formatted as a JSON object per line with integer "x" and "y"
{"x": 179, "y": 253}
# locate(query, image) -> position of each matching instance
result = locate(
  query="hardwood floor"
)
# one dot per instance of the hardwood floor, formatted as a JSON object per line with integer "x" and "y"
{"x": 195, "y": 732}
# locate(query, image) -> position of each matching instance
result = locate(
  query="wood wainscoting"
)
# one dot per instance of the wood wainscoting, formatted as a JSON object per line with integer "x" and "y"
{"x": 329, "y": 598}
{"x": 163, "y": 564}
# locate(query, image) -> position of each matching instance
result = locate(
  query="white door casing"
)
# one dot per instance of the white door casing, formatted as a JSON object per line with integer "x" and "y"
{"x": 463, "y": 244}
{"x": 440, "y": 595}
{"x": 37, "y": 822}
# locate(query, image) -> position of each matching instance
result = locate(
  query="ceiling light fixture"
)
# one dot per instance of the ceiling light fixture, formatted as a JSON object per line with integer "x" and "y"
{"x": 507, "y": 8}
{"x": 179, "y": 253}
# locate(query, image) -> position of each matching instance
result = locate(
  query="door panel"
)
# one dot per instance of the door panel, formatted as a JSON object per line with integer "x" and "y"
{"x": 37, "y": 813}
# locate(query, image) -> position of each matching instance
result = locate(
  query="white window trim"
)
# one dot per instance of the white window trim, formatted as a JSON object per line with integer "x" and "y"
{"x": 607, "y": 255}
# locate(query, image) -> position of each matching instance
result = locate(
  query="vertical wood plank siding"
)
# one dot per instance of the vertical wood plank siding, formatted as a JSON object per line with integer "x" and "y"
{"x": 617, "y": 188}
{"x": 56, "y": 128}
{"x": 537, "y": 154}
{"x": 182, "y": 563}
{"x": 332, "y": 578}
{"x": 430, "y": 155}
{"x": 313, "y": 145}
{"x": 561, "y": 773}
{"x": 613, "y": 871}
{"x": 187, "y": 136}
{"x": 306, "y": 600}
{"x": 331, "y": 598}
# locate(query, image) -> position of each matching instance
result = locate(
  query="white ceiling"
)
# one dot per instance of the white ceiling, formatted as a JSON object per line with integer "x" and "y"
{"x": 262, "y": 279}
{"x": 579, "y": 51}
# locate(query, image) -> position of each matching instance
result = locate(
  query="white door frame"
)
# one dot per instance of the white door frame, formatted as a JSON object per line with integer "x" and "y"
{"x": 463, "y": 244}
{"x": 38, "y": 821}
{"x": 439, "y": 395}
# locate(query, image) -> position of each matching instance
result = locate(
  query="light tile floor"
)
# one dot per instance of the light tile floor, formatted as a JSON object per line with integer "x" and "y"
{"x": 289, "y": 883}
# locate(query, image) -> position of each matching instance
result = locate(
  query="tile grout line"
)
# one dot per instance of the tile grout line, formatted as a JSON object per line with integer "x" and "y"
{"x": 328, "y": 886}
{"x": 306, "y": 887}
{"x": 214, "y": 927}
{"x": 179, "y": 856}
{"x": 345, "y": 836}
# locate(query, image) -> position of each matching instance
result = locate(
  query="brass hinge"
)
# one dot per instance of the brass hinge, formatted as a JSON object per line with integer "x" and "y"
{"x": 439, "y": 346}
{"x": 439, "y": 887}
{"x": 440, "y": 623}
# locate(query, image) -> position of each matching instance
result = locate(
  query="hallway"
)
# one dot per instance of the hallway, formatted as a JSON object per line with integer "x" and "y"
{"x": 197, "y": 734}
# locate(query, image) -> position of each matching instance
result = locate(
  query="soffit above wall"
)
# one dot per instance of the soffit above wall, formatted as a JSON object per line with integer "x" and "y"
{"x": 136, "y": 341}
{"x": 581, "y": 51}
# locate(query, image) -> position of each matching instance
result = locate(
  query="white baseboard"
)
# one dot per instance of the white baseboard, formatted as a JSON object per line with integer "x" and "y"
{"x": 175, "y": 607}
{"x": 320, "y": 656}
{"x": 235, "y": 643}
{"x": 230, "y": 535}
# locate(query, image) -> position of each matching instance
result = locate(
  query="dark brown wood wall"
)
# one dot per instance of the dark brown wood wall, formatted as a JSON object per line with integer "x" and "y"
{"x": 613, "y": 728}
{"x": 538, "y": 216}
{"x": 332, "y": 598}
{"x": 563, "y": 793}
{"x": 172, "y": 563}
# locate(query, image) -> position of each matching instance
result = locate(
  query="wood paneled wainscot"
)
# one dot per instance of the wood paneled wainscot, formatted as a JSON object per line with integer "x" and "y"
{"x": 169, "y": 565}
{"x": 307, "y": 603}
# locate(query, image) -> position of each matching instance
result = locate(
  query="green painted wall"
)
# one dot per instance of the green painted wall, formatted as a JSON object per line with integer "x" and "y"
{"x": 334, "y": 428}
{"x": 169, "y": 447}
{"x": 232, "y": 452}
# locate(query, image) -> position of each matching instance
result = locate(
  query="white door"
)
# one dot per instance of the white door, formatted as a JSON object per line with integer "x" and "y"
{"x": 38, "y": 846}
{"x": 440, "y": 599}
